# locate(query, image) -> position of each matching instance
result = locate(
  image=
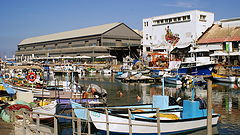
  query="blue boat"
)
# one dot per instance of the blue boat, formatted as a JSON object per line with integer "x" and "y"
{"x": 196, "y": 70}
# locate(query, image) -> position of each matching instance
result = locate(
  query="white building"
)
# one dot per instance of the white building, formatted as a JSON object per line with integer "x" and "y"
{"x": 175, "y": 30}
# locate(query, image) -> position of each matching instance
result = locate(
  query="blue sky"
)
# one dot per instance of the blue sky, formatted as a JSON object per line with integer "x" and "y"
{"x": 22, "y": 19}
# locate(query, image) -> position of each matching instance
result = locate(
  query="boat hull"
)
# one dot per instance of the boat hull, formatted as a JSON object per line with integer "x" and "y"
{"x": 222, "y": 78}
{"x": 197, "y": 70}
{"x": 225, "y": 79}
{"x": 172, "y": 81}
{"x": 48, "y": 109}
{"x": 148, "y": 126}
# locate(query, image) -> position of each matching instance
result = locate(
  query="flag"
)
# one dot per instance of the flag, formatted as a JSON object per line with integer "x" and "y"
{"x": 229, "y": 47}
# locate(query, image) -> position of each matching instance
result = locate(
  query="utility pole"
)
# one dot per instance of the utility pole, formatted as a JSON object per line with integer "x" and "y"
{"x": 209, "y": 107}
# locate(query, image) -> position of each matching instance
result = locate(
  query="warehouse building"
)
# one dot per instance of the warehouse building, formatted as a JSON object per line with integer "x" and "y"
{"x": 115, "y": 39}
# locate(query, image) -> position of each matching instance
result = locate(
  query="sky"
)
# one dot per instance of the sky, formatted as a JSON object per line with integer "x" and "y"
{"x": 20, "y": 19}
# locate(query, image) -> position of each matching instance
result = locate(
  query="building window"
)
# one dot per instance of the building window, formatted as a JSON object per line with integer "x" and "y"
{"x": 172, "y": 20}
{"x": 235, "y": 46}
{"x": 202, "y": 17}
{"x": 146, "y": 36}
{"x": 184, "y": 18}
{"x": 93, "y": 44}
{"x": 150, "y": 37}
{"x": 99, "y": 42}
{"x": 86, "y": 43}
{"x": 145, "y": 24}
{"x": 148, "y": 49}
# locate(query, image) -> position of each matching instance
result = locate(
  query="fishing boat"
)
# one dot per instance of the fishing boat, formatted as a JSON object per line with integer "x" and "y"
{"x": 47, "y": 109}
{"x": 173, "y": 79}
{"x": 139, "y": 77}
{"x": 123, "y": 76}
{"x": 191, "y": 68}
{"x": 107, "y": 71}
{"x": 161, "y": 102}
{"x": 238, "y": 80}
{"x": 192, "y": 118}
{"x": 223, "y": 78}
{"x": 91, "y": 70}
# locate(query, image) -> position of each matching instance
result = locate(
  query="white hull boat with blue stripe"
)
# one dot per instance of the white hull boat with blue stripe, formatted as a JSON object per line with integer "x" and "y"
{"x": 119, "y": 123}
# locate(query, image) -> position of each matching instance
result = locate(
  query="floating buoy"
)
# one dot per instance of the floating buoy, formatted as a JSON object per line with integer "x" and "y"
{"x": 31, "y": 77}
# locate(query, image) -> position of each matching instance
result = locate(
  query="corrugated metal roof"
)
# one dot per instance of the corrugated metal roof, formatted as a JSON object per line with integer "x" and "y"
{"x": 95, "y": 30}
{"x": 217, "y": 34}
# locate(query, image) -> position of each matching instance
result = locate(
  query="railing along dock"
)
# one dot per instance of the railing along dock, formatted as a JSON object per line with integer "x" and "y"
{"x": 76, "y": 122}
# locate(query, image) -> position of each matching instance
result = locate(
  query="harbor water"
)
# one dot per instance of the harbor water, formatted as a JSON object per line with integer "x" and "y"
{"x": 226, "y": 99}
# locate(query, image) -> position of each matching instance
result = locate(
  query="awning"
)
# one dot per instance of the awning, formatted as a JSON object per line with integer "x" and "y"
{"x": 219, "y": 54}
{"x": 235, "y": 53}
{"x": 226, "y": 54}
{"x": 198, "y": 50}
{"x": 105, "y": 56}
{"x": 181, "y": 49}
{"x": 83, "y": 57}
{"x": 158, "y": 53}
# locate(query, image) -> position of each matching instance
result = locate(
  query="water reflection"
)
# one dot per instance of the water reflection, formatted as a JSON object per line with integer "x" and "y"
{"x": 225, "y": 97}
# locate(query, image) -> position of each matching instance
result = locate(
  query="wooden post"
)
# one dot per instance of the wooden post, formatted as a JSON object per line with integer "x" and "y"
{"x": 79, "y": 129}
{"x": 73, "y": 123}
{"x": 107, "y": 122}
{"x": 163, "y": 92}
{"x": 14, "y": 120}
{"x": 55, "y": 125}
{"x": 38, "y": 124}
{"x": 158, "y": 122}
{"x": 24, "y": 123}
{"x": 130, "y": 121}
{"x": 88, "y": 122}
{"x": 209, "y": 107}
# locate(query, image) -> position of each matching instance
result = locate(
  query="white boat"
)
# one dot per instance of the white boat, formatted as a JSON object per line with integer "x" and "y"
{"x": 143, "y": 121}
{"x": 120, "y": 124}
{"x": 92, "y": 71}
{"x": 48, "y": 109}
{"x": 161, "y": 102}
{"x": 221, "y": 78}
{"x": 140, "y": 76}
{"x": 107, "y": 71}
{"x": 173, "y": 79}
{"x": 146, "y": 71}
{"x": 238, "y": 80}
{"x": 80, "y": 70}
{"x": 123, "y": 76}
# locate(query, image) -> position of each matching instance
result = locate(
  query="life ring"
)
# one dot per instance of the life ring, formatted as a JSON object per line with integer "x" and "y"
{"x": 31, "y": 77}
{"x": 6, "y": 76}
